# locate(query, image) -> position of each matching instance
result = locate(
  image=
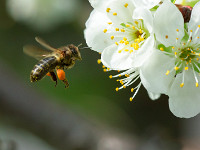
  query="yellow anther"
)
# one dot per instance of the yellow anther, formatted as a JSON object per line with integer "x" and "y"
{"x": 103, "y": 66}
{"x": 124, "y": 86}
{"x": 99, "y": 53}
{"x": 131, "y": 99}
{"x": 132, "y": 90}
{"x": 175, "y": 53}
{"x": 127, "y": 75}
{"x": 199, "y": 26}
{"x": 126, "y": 5}
{"x": 197, "y": 59}
{"x": 108, "y": 10}
{"x": 186, "y": 68}
{"x": 110, "y": 76}
{"x": 166, "y": 36}
{"x": 162, "y": 49}
{"x": 112, "y": 37}
{"x": 105, "y": 70}
{"x": 177, "y": 30}
{"x": 105, "y": 30}
{"x": 136, "y": 22}
{"x": 120, "y": 75}
{"x": 117, "y": 89}
{"x": 118, "y": 70}
{"x": 135, "y": 46}
{"x": 173, "y": 47}
{"x": 181, "y": 85}
{"x": 124, "y": 38}
{"x": 133, "y": 27}
{"x": 176, "y": 68}
{"x": 140, "y": 31}
{"x": 191, "y": 30}
{"x": 197, "y": 37}
{"x": 116, "y": 43}
{"x": 117, "y": 29}
{"x": 121, "y": 41}
{"x": 114, "y": 14}
{"x": 197, "y": 84}
{"x": 108, "y": 69}
{"x": 167, "y": 73}
{"x": 121, "y": 82}
{"x": 126, "y": 50}
{"x": 126, "y": 42}
{"x": 119, "y": 51}
{"x": 99, "y": 61}
{"x": 177, "y": 39}
{"x": 127, "y": 25}
{"x": 109, "y": 23}
{"x": 131, "y": 51}
{"x": 141, "y": 38}
{"x": 122, "y": 30}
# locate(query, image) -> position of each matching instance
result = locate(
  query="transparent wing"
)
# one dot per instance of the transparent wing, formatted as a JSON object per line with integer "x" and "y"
{"x": 36, "y": 52}
{"x": 45, "y": 44}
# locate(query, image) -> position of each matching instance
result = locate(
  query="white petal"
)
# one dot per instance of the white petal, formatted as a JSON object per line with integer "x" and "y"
{"x": 195, "y": 22}
{"x": 123, "y": 14}
{"x": 146, "y": 3}
{"x": 144, "y": 52}
{"x": 154, "y": 96}
{"x": 100, "y": 5}
{"x": 152, "y": 72}
{"x": 94, "y": 35}
{"x": 167, "y": 20}
{"x": 145, "y": 14}
{"x": 111, "y": 58}
{"x": 185, "y": 102}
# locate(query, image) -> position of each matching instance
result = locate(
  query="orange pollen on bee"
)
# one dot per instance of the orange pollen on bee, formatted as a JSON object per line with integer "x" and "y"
{"x": 48, "y": 74}
{"x": 60, "y": 74}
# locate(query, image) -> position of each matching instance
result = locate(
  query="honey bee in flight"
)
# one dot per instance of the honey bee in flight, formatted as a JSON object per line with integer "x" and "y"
{"x": 52, "y": 59}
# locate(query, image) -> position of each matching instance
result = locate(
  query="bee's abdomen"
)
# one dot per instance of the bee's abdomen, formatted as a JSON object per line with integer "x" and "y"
{"x": 42, "y": 68}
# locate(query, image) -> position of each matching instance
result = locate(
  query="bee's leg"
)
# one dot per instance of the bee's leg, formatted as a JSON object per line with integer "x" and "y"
{"x": 53, "y": 76}
{"x": 61, "y": 76}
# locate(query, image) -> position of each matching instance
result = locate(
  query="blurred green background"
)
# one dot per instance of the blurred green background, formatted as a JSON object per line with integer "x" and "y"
{"x": 91, "y": 94}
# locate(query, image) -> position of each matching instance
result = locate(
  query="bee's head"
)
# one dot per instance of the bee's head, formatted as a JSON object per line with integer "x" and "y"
{"x": 75, "y": 52}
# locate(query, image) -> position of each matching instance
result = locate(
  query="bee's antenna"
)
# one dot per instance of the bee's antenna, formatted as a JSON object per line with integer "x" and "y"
{"x": 79, "y": 45}
{"x": 85, "y": 47}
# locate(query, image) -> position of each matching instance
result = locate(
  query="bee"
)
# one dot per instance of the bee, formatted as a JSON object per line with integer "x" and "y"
{"x": 52, "y": 59}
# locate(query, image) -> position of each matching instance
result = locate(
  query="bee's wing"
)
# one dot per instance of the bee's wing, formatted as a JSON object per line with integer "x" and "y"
{"x": 36, "y": 52}
{"x": 45, "y": 44}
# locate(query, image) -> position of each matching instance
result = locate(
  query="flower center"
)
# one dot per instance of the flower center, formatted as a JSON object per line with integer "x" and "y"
{"x": 186, "y": 56}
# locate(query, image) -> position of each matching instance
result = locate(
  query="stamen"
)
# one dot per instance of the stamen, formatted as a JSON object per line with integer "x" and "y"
{"x": 99, "y": 61}
{"x": 126, "y": 5}
{"x": 105, "y": 30}
{"x": 114, "y": 14}
{"x": 108, "y": 10}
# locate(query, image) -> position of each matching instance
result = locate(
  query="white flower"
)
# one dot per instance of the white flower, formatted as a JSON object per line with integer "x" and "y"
{"x": 42, "y": 14}
{"x": 174, "y": 70}
{"x": 122, "y": 31}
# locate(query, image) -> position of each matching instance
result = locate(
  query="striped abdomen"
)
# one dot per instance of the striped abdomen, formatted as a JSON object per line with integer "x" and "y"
{"x": 42, "y": 68}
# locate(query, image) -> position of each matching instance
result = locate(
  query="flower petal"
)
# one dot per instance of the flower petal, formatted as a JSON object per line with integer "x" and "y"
{"x": 154, "y": 96}
{"x": 185, "y": 102}
{"x": 100, "y": 5}
{"x": 195, "y": 22}
{"x": 94, "y": 35}
{"x": 145, "y": 14}
{"x": 152, "y": 72}
{"x": 144, "y": 52}
{"x": 168, "y": 24}
{"x": 120, "y": 11}
{"x": 146, "y": 3}
{"x": 111, "y": 58}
